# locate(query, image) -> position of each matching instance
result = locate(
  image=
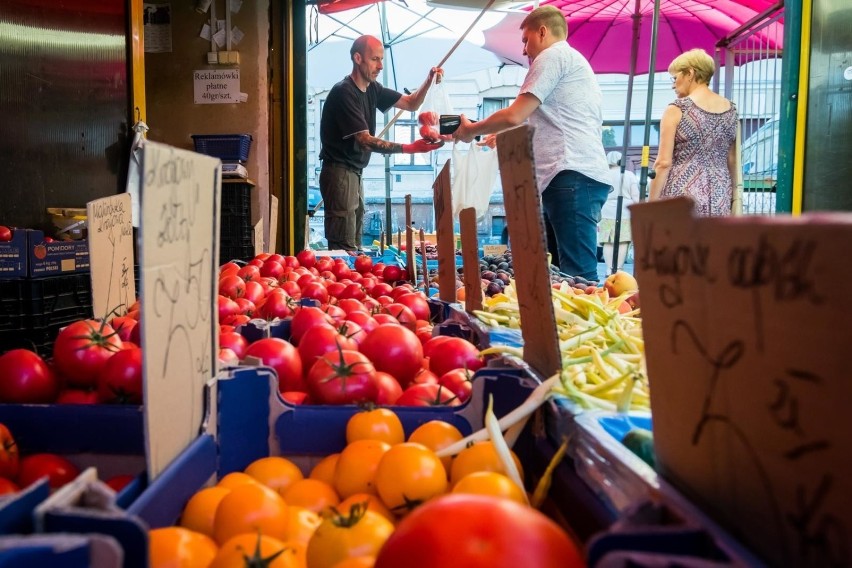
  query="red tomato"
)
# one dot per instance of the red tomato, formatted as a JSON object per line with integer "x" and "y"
{"x": 388, "y": 388}
{"x": 458, "y": 381}
{"x": 248, "y": 273}
{"x": 395, "y": 350}
{"x": 353, "y": 331}
{"x": 430, "y": 394}
{"x": 277, "y": 304}
{"x": 342, "y": 377}
{"x": 318, "y": 341}
{"x": 324, "y": 263}
{"x": 305, "y": 318}
{"x": 402, "y": 314}
{"x": 82, "y": 349}
{"x": 424, "y": 377}
{"x": 355, "y": 291}
{"x": 123, "y": 325}
{"x": 57, "y": 469}
{"x": 363, "y": 319}
{"x": 454, "y": 353}
{"x": 9, "y": 458}
{"x": 254, "y": 292}
{"x": 235, "y": 342}
{"x": 5, "y": 234}
{"x": 429, "y": 346}
{"x": 350, "y": 305}
{"x": 306, "y": 258}
{"x": 228, "y": 268}
{"x": 8, "y": 487}
{"x": 119, "y": 482}
{"x": 340, "y": 270}
{"x": 383, "y": 318}
{"x": 227, "y": 357}
{"x": 77, "y": 396}
{"x": 272, "y": 268}
{"x": 315, "y": 291}
{"x": 120, "y": 379}
{"x": 237, "y": 320}
{"x": 378, "y": 268}
{"x": 363, "y": 263}
{"x": 381, "y": 289}
{"x": 283, "y": 357}
{"x": 294, "y": 397}
{"x": 478, "y": 531}
{"x": 292, "y": 289}
{"x": 232, "y": 286}
{"x": 337, "y": 314}
{"x": 227, "y": 308}
{"x": 247, "y": 307}
{"x": 26, "y": 379}
{"x": 334, "y": 289}
{"x": 391, "y": 273}
{"x": 416, "y": 302}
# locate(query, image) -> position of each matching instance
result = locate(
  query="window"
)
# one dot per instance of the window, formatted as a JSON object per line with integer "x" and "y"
{"x": 492, "y": 105}
{"x": 497, "y": 226}
{"x": 613, "y": 134}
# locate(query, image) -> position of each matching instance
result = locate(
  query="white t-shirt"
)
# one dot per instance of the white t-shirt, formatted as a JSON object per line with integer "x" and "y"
{"x": 629, "y": 189}
{"x": 568, "y": 122}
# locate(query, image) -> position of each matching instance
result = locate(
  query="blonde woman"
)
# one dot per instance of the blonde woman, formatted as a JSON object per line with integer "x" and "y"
{"x": 696, "y": 156}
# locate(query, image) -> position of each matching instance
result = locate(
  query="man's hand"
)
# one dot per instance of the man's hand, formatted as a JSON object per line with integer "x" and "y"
{"x": 439, "y": 71}
{"x": 421, "y": 146}
{"x": 463, "y": 132}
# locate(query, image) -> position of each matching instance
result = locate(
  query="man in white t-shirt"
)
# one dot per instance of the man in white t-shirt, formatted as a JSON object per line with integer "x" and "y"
{"x": 561, "y": 100}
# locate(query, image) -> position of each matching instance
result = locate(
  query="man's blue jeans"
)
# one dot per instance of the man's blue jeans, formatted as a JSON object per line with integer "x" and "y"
{"x": 572, "y": 204}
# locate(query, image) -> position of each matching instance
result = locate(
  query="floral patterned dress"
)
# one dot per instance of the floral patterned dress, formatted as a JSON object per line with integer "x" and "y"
{"x": 700, "y": 158}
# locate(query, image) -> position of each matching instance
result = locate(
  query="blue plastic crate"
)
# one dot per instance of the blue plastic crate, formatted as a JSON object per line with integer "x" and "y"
{"x": 223, "y": 146}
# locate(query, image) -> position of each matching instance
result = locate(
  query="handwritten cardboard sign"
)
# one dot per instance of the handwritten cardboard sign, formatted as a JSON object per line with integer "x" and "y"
{"x": 111, "y": 255}
{"x": 746, "y": 328}
{"x": 179, "y": 260}
{"x": 494, "y": 250}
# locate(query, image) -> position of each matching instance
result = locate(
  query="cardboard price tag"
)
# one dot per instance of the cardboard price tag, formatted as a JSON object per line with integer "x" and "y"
{"x": 747, "y": 345}
{"x": 179, "y": 232}
{"x": 494, "y": 250}
{"x": 111, "y": 256}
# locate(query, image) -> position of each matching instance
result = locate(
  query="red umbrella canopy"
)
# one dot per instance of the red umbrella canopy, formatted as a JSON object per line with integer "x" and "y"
{"x": 602, "y": 30}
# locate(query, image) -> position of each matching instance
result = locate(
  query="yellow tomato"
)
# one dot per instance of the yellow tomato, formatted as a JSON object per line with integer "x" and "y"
{"x": 312, "y": 494}
{"x": 200, "y": 510}
{"x": 356, "y": 467}
{"x": 437, "y": 435}
{"x": 177, "y": 547}
{"x": 324, "y": 470}
{"x": 360, "y": 533}
{"x": 408, "y": 475}
{"x": 481, "y": 456}
{"x": 235, "y": 479}
{"x": 250, "y": 508}
{"x": 490, "y": 483}
{"x": 373, "y": 504}
{"x": 377, "y": 424}
{"x": 357, "y": 562}
{"x": 256, "y": 550}
{"x": 301, "y": 524}
{"x": 275, "y": 472}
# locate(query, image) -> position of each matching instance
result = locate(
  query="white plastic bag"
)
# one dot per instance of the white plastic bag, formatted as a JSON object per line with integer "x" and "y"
{"x": 474, "y": 174}
{"x": 436, "y": 103}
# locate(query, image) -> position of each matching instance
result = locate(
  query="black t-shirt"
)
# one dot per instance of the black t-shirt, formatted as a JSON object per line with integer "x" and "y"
{"x": 347, "y": 111}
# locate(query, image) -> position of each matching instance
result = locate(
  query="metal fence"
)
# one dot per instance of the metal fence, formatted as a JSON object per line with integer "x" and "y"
{"x": 749, "y": 61}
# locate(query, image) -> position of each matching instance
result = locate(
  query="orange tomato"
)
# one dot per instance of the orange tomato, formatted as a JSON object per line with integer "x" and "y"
{"x": 324, "y": 470}
{"x": 312, "y": 494}
{"x": 490, "y": 483}
{"x": 356, "y": 467}
{"x": 177, "y": 547}
{"x": 481, "y": 456}
{"x": 200, "y": 510}
{"x": 301, "y": 524}
{"x": 377, "y": 424}
{"x": 437, "y": 435}
{"x": 275, "y": 472}
{"x": 357, "y": 562}
{"x": 250, "y": 508}
{"x": 373, "y": 504}
{"x": 235, "y": 479}
{"x": 359, "y": 533}
{"x": 256, "y": 550}
{"x": 409, "y": 474}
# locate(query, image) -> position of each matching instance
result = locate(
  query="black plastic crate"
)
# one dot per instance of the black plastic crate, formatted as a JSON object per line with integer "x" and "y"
{"x": 236, "y": 199}
{"x": 38, "y": 340}
{"x": 227, "y": 253}
{"x": 223, "y": 146}
{"x": 235, "y": 231}
{"x": 27, "y": 304}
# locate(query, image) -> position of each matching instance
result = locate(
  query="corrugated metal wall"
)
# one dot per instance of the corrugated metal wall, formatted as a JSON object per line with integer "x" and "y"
{"x": 64, "y": 105}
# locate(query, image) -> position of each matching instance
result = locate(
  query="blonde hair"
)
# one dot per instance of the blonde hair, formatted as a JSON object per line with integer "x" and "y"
{"x": 549, "y": 17}
{"x": 698, "y": 61}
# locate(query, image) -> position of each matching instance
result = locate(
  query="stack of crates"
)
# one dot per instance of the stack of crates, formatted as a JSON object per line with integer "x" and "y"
{"x": 33, "y": 310}
{"x": 236, "y": 234}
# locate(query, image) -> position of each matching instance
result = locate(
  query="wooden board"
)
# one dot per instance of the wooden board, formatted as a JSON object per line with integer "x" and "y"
{"x": 446, "y": 237}
{"x": 111, "y": 256}
{"x": 526, "y": 233}
{"x": 410, "y": 257}
{"x": 179, "y": 234}
{"x": 470, "y": 256}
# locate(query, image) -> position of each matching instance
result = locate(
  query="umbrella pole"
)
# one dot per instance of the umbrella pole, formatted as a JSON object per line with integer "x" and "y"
{"x": 384, "y": 134}
{"x": 634, "y": 53}
{"x": 652, "y": 66}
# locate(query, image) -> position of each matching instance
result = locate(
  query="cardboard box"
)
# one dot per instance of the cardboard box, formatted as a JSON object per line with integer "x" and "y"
{"x": 13, "y": 255}
{"x": 57, "y": 257}
{"x": 747, "y": 336}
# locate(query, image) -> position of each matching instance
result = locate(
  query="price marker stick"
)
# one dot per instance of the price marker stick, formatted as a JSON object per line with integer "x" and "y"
{"x": 470, "y": 256}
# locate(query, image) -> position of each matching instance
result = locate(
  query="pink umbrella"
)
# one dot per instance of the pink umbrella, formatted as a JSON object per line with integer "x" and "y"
{"x": 602, "y": 30}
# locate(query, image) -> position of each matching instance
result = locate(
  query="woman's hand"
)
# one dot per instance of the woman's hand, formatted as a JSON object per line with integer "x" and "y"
{"x": 464, "y": 133}
{"x": 490, "y": 140}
